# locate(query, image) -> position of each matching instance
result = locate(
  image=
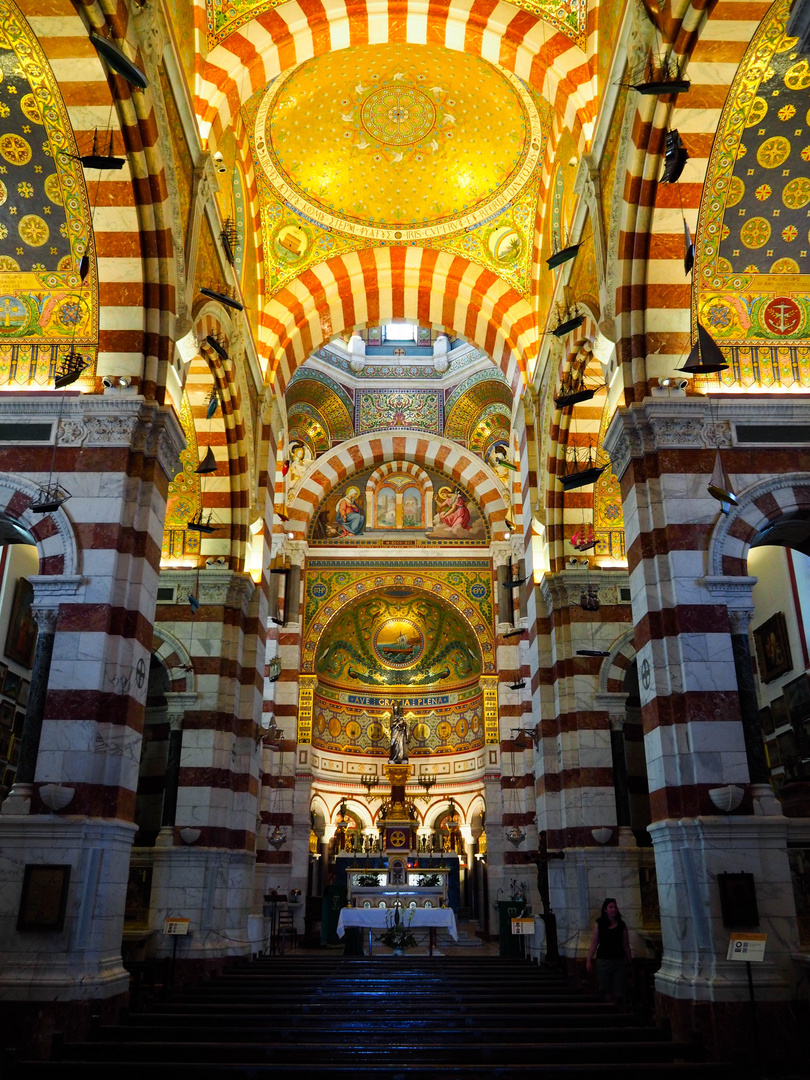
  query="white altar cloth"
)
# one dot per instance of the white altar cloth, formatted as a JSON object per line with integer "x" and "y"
{"x": 412, "y": 919}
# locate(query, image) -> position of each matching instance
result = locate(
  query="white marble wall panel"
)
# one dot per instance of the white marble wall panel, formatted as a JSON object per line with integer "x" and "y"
{"x": 211, "y": 887}
{"x": 84, "y": 959}
{"x": 689, "y": 855}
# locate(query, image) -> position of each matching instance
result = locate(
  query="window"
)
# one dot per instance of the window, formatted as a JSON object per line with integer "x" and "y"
{"x": 399, "y": 332}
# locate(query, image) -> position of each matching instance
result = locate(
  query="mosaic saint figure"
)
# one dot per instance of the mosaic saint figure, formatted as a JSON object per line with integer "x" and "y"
{"x": 300, "y": 457}
{"x": 349, "y": 515}
{"x": 453, "y": 511}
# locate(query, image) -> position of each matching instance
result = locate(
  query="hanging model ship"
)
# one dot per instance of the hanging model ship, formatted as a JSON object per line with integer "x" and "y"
{"x": 582, "y": 540}
{"x": 581, "y": 471}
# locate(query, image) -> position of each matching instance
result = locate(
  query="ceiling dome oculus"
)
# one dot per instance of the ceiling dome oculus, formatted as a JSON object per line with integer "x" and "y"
{"x": 397, "y": 142}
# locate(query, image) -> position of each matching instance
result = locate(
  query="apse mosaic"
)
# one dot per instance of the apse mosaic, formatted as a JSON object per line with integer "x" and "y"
{"x": 451, "y": 724}
{"x": 183, "y": 500}
{"x": 223, "y": 17}
{"x": 398, "y": 637}
{"x": 44, "y": 216}
{"x": 398, "y": 144}
{"x": 753, "y": 239}
{"x": 408, "y": 410}
{"x": 448, "y": 637}
{"x": 399, "y": 505}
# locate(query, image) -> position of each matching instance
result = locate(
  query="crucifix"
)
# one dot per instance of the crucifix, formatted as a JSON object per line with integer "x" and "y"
{"x": 541, "y": 859}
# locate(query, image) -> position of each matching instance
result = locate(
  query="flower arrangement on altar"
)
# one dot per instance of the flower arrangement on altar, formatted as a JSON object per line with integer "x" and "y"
{"x": 398, "y": 937}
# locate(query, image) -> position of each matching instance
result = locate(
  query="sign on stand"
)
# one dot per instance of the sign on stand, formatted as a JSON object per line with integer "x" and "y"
{"x": 523, "y": 927}
{"x": 174, "y": 927}
{"x": 748, "y": 947}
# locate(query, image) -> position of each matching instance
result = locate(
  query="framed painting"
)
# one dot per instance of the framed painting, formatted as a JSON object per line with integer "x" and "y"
{"x": 44, "y": 897}
{"x": 21, "y": 639}
{"x": 797, "y": 696}
{"x": 773, "y": 648}
{"x": 779, "y": 712}
{"x": 7, "y": 714}
{"x": 766, "y": 720}
{"x": 11, "y": 684}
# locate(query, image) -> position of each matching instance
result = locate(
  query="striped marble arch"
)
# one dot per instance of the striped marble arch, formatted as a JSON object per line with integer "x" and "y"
{"x": 499, "y": 32}
{"x": 380, "y": 284}
{"x": 370, "y": 450}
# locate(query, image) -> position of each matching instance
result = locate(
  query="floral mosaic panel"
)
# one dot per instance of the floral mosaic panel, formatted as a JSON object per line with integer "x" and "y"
{"x": 184, "y": 498}
{"x": 441, "y": 729}
{"x": 753, "y": 249}
{"x": 409, "y": 410}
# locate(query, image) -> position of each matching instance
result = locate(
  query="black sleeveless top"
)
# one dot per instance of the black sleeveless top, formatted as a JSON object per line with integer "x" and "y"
{"x": 611, "y": 943}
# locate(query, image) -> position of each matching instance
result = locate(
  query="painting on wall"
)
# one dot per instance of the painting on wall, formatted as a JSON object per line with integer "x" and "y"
{"x": 773, "y": 648}
{"x": 797, "y": 696}
{"x": 400, "y": 505}
{"x": 21, "y": 639}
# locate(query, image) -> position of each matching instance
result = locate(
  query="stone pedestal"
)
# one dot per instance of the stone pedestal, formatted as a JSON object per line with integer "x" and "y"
{"x": 83, "y": 959}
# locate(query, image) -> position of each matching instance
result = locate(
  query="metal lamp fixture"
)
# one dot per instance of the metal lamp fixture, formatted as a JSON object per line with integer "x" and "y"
{"x": 277, "y": 838}
{"x": 515, "y": 835}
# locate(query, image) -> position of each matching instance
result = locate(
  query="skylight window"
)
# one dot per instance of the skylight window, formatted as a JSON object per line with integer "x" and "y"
{"x": 399, "y": 332}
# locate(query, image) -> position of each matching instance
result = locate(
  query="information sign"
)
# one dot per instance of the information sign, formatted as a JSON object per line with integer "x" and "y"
{"x": 750, "y": 947}
{"x": 523, "y": 927}
{"x": 176, "y": 927}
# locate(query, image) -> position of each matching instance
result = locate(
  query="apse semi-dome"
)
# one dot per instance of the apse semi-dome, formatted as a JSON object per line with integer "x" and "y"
{"x": 397, "y": 141}
{"x": 406, "y": 645}
{"x": 398, "y": 637}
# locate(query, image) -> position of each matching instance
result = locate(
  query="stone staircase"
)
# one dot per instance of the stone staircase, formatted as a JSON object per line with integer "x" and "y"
{"x": 393, "y": 1018}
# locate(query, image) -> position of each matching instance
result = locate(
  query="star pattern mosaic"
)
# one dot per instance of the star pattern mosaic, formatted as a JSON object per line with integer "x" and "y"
{"x": 753, "y": 239}
{"x": 44, "y": 214}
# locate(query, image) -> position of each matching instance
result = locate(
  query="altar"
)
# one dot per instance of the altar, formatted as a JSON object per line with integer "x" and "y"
{"x": 412, "y": 918}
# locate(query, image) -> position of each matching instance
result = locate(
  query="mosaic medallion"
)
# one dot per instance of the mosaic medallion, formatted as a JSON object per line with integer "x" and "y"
{"x": 398, "y": 115}
{"x": 399, "y": 642}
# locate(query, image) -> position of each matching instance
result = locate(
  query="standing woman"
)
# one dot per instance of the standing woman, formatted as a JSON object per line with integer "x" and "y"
{"x": 611, "y": 944}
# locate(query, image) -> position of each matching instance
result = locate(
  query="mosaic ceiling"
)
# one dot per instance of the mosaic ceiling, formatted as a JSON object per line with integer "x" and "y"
{"x": 396, "y": 143}
{"x": 223, "y": 17}
{"x": 753, "y": 239}
{"x": 44, "y": 215}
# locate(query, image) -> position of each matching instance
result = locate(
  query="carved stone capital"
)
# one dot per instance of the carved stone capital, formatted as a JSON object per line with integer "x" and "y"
{"x": 740, "y": 619}
{"x": 501, "y": 551}
{"x": 46, "y": 618}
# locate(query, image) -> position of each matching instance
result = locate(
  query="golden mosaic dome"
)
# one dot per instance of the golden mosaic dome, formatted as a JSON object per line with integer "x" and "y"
{"x": 397, "y": 142}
